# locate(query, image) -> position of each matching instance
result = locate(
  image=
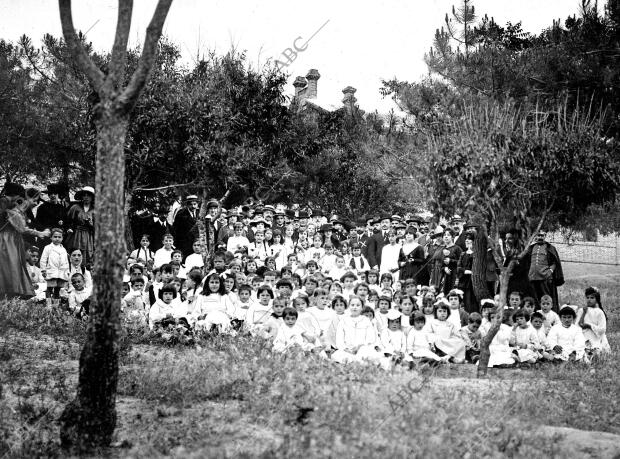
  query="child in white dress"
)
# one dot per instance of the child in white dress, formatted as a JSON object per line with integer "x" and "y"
{"x": 446, "y": 337}
{"x": 289, "y": 333}
{"x": 501, "y": 352}
{"x": 393, "y": 340}
{"x": 356, "y": 338}
{"x": 213, "y": 307}
{"x": 593, "y": 321}
{"x": 420, "y": 346}
{"x": 524, "y": 337}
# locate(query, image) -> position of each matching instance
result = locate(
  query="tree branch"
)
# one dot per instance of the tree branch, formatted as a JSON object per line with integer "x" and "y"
{"x": 86, "y": 65}
{"x": 166, "y": 187}
{"x": 130, "y": 95}
{"x": 119, "y": 49}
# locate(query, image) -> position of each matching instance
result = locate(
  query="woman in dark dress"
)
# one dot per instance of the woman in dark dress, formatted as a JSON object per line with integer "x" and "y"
{"x": 464, "y": 272}
{"x": 411, "y": 257}
{"x": 81, "y": 223}
{"x": 51, "y": 213}
{"x": 451, "y": 255}
{"x": 15, "y": 282}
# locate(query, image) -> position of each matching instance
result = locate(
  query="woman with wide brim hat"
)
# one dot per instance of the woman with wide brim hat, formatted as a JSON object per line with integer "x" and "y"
{"x": 15, "y": 282}
{"x": 81, "y": 225}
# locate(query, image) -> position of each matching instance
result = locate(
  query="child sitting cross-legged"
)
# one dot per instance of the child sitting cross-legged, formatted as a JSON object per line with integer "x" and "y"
{"x": 524, "y": 338}
{"x": 566, "y": 339}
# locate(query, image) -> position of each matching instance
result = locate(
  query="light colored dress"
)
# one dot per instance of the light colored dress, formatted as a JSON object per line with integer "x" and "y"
{"x": 214, "y": 309}
{"x": 353, "y": 332}
{"x": 525, "y": 337}
{"x": 595, "y": 336}
{"x": 446, "y": 339}
{"x": 501, "y": 352}
{"x": 419, "y": 345}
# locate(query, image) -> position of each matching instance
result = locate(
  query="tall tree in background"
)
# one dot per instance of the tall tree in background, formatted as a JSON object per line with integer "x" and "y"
{"x": 90, "y": 419}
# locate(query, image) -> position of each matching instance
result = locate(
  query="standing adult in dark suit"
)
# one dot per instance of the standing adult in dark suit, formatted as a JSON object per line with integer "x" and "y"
{"x": 51, "y": 213}
{"x": 377, "y": 241}
{"x": 156, "y": 226}
{"x": 184, "y": 221}
{"x": 544, "y": 269}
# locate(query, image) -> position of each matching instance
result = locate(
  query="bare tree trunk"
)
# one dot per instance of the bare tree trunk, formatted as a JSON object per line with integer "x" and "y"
{"x": 479, "y": 266}
{"x": 90, "y": 419}
{"x": 128, "y": 227}
{"x": 88, "y": 422}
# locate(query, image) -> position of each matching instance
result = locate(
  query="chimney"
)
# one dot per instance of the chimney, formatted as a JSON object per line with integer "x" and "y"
{"x": 349, "y": 99}
{"x": 312, "y": 77}
{"x": 300, "y": 84}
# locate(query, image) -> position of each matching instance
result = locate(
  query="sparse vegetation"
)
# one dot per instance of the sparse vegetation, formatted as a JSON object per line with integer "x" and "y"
{"x": 230, "y": 396}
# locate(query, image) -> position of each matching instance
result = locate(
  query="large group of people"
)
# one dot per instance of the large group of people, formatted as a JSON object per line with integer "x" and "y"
{"x": 386, "y": 289}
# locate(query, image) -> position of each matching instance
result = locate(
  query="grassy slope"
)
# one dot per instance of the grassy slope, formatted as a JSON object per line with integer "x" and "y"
{"x": 220, "y": 399}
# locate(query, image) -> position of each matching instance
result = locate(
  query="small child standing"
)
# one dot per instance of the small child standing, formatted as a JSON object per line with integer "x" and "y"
{"x": 55, "y": 266}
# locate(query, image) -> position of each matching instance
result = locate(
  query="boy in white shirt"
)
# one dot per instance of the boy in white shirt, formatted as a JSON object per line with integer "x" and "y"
{"x": 566, "y": 339}
{"x": 550, "y": 317}
{"x": 195, "y": 260}
{"x": 164, "y": 255}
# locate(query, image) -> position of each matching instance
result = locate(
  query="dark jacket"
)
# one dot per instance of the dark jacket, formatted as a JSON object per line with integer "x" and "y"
{"x": 375, "y": 246}
{"x": 553, "y": 258}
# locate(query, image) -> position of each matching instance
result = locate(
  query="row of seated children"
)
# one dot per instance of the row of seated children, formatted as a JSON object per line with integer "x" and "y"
{"x": 404, "y": 326}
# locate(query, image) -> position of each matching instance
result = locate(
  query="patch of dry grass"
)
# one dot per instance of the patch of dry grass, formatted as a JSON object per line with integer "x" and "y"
{"x": 231, "y": 397}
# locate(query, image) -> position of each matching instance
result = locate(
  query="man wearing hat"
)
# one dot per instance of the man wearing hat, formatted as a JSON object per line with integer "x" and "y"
{"x": 51, "y": 213}
{"x": 377, "y": 241}
{"x": 183, "y": 223}
{"x": 459, "y": 231}
{"x": 156, "y": 226}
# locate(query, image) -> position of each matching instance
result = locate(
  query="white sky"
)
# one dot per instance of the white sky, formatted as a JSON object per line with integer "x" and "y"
{"x": 363, "y": 42}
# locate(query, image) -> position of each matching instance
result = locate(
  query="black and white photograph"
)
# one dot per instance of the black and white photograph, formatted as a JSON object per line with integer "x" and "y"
{"x": 375, "y": 229}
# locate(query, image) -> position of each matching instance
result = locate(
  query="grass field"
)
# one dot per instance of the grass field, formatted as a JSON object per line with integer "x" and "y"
{"x": 231, "y": 397}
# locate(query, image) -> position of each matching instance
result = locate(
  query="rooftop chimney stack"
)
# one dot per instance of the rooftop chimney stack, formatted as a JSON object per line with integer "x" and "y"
{"x": 349, "y": 99}
{"x": 312, "y": 77}
{"x": 300, "y": 84}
